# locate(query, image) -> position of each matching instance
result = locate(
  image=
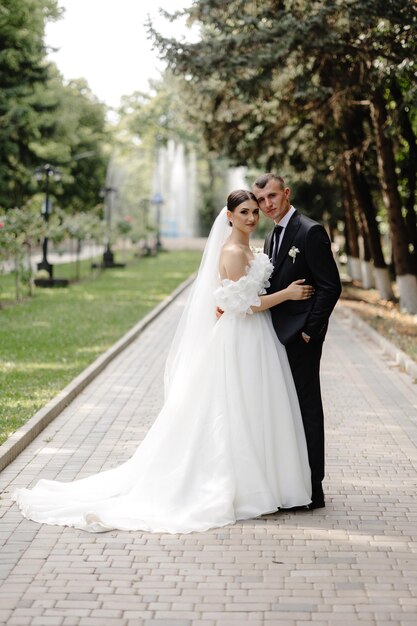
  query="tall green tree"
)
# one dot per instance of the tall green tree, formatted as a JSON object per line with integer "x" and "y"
{"x": 273, "y": 74}
{"x": 74, "y": 136}
{"x": 22, "y": 70}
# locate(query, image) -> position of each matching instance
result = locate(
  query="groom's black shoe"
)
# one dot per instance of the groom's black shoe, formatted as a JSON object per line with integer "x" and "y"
{"x": 316, "y": 503}
{"x": 292, "y": 509}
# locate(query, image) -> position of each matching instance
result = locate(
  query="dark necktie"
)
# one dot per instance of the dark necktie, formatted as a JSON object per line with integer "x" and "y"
{"x": 275, "y": 243}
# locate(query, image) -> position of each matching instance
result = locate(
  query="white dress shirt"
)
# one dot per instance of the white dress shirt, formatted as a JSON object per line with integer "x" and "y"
{"x": 284, "y": 223}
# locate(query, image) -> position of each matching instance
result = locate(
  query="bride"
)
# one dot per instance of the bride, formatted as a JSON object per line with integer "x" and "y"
{"x": 229, "y": 442}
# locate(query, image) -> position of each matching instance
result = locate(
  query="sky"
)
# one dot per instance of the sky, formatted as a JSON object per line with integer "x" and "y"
{"x": 105, "y": 42}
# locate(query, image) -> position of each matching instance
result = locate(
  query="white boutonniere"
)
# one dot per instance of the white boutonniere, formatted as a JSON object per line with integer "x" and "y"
{"x": 293, "y": 253}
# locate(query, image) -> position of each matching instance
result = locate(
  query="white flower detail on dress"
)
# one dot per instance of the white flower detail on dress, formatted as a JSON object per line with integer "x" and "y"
{"x": 293, "y": 253}
{"x": 239, "y": 296}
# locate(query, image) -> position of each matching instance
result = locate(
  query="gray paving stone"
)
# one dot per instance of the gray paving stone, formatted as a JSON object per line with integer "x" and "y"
{"x": 354, "y": 562}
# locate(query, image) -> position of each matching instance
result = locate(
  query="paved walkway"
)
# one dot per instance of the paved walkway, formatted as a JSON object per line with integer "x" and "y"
{"x": 354, "y": 562}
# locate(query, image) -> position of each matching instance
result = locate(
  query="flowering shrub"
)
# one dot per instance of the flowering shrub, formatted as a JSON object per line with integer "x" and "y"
{"x": 23, "y": 228}
{"x": 20, "y": 230}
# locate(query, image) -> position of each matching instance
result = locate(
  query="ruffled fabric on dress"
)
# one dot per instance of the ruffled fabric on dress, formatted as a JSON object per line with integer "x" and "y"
{"x": 237, "y": 297}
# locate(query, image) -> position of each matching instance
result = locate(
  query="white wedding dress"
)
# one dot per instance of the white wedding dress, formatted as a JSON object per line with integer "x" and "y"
{"x": 227, "y": 445}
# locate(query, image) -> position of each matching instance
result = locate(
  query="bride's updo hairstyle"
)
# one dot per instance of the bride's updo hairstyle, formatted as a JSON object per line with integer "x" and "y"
{"x": 237, "y": 197}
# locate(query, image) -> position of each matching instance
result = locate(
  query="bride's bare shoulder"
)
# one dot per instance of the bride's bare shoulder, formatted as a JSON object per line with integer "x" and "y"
{"x": 233, "y": 261}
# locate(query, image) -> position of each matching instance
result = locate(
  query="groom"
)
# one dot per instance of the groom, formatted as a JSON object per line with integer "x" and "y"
{"x": 300, "y": 248}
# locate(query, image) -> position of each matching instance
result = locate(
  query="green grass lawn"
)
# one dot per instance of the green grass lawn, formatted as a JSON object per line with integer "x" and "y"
{"x": 47, "y": 340}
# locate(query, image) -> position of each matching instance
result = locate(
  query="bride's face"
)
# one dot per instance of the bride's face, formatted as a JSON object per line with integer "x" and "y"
{"x": 245, "y": 217}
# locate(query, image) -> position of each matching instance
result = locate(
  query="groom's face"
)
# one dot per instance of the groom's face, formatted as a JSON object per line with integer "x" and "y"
{"x": 273, "y": 200}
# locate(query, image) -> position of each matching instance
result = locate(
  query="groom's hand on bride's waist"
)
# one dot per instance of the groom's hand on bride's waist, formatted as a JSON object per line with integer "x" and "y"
{"x": 305, "y": 337}
{"x": 219, "y": 312}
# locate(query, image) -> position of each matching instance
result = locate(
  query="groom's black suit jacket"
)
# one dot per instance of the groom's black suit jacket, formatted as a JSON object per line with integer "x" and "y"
{"x": 316, "y": 264}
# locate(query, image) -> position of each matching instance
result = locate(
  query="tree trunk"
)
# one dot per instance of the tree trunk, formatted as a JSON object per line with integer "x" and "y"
{"x": 350, "y": 125}
{"x": 408, "y": 134}
{"x": 389, "y": 184}
{"x": 17, "y": 276}
{"x": 399, "y": 234}
{"x": 353, "y": 135}
{"x": 383, "y": 283}
{"x": 29, "y": 268}
{"x": 367, "y": 276}
{"x": 370, "y": 232}
{"x": 351, "y": 232}
{"x": 370, "y": 225}
{"x": 77, "y": 260}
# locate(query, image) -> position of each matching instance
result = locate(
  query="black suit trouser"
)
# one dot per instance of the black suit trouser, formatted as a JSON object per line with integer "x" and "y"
{"x": 304, "y": 359}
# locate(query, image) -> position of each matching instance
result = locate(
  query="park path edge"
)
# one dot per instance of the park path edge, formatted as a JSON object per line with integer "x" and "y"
{"x": 399, "y": 357}
{"x": 24, "y": 435}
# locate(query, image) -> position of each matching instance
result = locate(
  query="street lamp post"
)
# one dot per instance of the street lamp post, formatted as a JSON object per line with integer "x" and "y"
{"x": 144, "y": 205}
{"x": 108, "y": 256}
{"x": 158, "y": 201}
{"x": 47, "y": 171}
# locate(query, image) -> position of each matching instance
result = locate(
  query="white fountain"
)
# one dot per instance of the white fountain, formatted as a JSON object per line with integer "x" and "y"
{"x": 175, "y": 184}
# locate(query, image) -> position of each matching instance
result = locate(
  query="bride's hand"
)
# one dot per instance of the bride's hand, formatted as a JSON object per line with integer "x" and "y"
{"x": 298, "y": 291}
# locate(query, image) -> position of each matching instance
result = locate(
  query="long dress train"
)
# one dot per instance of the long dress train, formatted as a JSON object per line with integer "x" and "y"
{"x": 227, "y": 445}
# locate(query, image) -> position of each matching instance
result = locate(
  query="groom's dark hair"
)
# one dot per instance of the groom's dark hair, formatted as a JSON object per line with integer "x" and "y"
{"x": 264, "y": 179}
